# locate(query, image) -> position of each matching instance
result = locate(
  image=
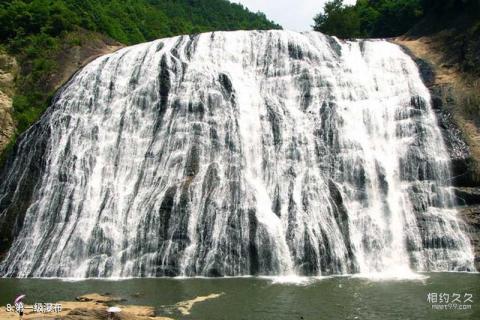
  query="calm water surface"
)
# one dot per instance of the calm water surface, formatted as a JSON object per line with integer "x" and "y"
{"x": 259, "y": 298}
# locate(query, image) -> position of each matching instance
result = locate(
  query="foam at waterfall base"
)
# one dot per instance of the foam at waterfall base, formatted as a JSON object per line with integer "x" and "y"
{"x": 392, "y": 275}
{"x": 291, "y": 279}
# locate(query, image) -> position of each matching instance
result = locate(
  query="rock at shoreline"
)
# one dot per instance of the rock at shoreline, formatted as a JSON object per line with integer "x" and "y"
{"x": 98, "y": 298}
{"x": 88, "y": 307}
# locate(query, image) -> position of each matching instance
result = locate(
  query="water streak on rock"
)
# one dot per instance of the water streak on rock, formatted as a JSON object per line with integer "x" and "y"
{"x": 266, "y": 153}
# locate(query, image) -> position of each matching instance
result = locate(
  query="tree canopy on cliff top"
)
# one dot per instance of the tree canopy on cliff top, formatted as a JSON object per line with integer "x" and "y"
{"x": 384, "y": 18}
{"x": 128, "y": 21}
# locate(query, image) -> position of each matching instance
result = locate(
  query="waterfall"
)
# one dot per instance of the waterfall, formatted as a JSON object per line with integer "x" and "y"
{"x": 235, "y": 153}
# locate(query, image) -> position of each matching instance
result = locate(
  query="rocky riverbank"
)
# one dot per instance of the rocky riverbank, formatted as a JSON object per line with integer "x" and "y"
{"x": 89, "y": 307}
{"x": 95, "y": 306}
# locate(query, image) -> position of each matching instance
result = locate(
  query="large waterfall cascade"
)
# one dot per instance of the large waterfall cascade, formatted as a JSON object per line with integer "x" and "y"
{"x": 235, "y": 153}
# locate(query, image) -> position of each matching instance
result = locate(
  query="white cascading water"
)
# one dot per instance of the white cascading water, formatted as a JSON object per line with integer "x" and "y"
{"x": 234, "y": 153}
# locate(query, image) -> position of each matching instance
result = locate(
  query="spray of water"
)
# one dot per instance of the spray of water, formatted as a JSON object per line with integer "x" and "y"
{"x": 263, "y": 153}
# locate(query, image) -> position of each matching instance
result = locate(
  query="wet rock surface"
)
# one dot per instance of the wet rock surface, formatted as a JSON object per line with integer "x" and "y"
{"x": 464, "y": 177}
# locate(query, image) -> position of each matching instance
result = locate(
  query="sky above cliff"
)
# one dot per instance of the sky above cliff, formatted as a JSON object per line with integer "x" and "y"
{"x": 294, "y": 15}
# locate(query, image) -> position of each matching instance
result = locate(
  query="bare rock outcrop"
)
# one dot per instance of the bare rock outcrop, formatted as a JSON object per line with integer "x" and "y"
{"x": 8, "y": 73}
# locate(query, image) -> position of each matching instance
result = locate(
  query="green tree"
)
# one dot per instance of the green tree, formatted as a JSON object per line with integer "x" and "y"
{"x": 368, "y": 18}
{"x": 338, "y": 20}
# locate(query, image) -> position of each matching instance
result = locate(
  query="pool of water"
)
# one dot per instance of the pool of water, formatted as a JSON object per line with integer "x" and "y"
{"x": 277, "y": 298}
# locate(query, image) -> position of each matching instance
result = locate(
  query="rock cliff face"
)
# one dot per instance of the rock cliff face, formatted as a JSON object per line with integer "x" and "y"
{"x": 73, "y": 58}
{"x": 464, "y": 174}
{"x": 8, "y": 72}
{"x": 70, "y": 59}
{"x": 461, "y": 134}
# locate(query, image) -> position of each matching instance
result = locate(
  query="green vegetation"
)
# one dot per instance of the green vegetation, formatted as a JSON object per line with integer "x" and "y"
{"x": 368, "y": 18}
{"x": 386, "y": 18}
{"x": 36, "y": 32}
{"x": 128, "y": 21}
